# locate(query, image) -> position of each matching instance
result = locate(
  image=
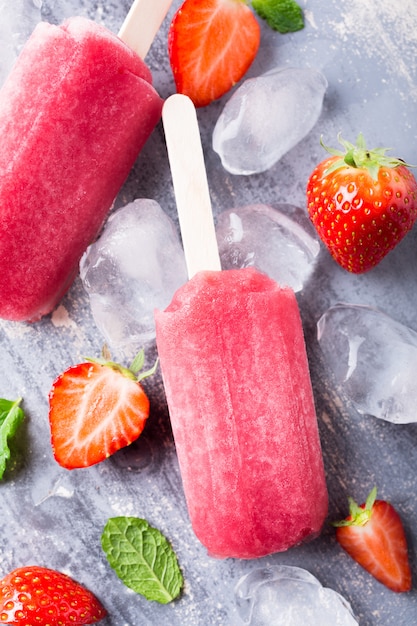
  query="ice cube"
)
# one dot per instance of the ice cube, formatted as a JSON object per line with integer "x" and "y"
{"x": 284, "y": 595}
{"x": 266, "y": 117}
{"x": 279, "y": 241}
{"x": 134, "y": 267}
{"x": 373, "y": 360}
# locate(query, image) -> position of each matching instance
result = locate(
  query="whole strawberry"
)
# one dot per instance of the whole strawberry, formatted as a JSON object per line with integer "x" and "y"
{"x": 373, "y": 535}
{"x": 38, "y": 595}
{"x": 362, "y": 203}
{"x": 96, "y": 408}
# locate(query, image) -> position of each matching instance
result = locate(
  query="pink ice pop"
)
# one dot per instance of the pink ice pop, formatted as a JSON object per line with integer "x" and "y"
{"x": 237, "y": 382}
{"x": 75, "y": 112}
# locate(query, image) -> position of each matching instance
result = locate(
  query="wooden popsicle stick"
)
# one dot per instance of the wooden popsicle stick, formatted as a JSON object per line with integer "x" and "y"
{"x": 142, "y": 23}
{"x": 192, "y": 196}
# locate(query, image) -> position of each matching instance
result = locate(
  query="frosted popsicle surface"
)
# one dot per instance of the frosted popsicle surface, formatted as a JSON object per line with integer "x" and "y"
{"x": 237, "y": 382}
{"x": 74, "y": 114}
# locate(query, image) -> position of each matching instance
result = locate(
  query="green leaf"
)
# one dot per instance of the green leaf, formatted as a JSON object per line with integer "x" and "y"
{"x": 285, "y": 16}
{"x": 11, "y": 416}
{"x": 142, "y": 558}
{"x": 131, "y": 372}
{"x": 359, "y": 156}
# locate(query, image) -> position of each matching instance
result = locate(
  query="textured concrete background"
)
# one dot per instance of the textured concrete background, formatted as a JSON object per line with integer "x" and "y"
{"x": 53, "y": 517}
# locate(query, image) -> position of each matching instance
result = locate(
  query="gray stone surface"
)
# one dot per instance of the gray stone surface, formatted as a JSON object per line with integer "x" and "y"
{"x": 52, "y": 517}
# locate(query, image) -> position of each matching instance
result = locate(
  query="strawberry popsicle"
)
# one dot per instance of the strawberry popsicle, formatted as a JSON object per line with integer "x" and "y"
{"x": 237, "y": 382}
{"x": 75, "y": 112}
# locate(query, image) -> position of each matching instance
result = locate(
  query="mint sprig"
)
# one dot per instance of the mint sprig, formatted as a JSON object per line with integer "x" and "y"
{"x": 142, "y": 558}
{"x": 11, "y": 416}
{"x": 285, "y": 16}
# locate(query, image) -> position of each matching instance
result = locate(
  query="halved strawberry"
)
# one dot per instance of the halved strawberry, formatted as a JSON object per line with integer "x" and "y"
{"x": 374, "y": 536}
{"x": 211, "y": 45}
{"x": 96, "y": 408}
{"x": 362, "y": 203}
{"x": 38, "y": 595}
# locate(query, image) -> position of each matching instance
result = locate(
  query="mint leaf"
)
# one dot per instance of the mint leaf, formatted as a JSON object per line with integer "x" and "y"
{"x": 285, "y": 16}
{"x": 142, "y": 558}
{"x": 11, "y": 416}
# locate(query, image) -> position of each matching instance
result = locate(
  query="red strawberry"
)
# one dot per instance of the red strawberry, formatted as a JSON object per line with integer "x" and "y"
{"x": 362, "y": 203}
{"x": 211, "y": 45}
{"x": 373, "y": 535}
{"x": 37, "y": 595}
{"x": 96, "y": 408}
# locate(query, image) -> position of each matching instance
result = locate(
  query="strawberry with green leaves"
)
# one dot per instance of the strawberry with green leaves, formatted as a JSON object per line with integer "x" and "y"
{"x": 96, "y": 408}
{"x": 373, "y": 535}
{"x": 211, "y": 45}
{"x": 362, "y": 203}
{"x": 38, "y": 595}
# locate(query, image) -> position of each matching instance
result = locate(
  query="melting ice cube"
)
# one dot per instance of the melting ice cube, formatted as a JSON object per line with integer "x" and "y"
{"x": 289, "y": 596}
{"x": 266, "y": 117}
{"x": 134, "y": 267}
{"x": 278, "y": 241}
{"x": 373, "y": 359}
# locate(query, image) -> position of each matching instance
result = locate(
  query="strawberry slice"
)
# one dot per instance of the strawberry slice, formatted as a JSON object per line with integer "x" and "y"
{"x": 211, "y": 45}
{"x": 96, "y": 408}
{"x": 42, "y": 596}
{"x": 374, "y": 537}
